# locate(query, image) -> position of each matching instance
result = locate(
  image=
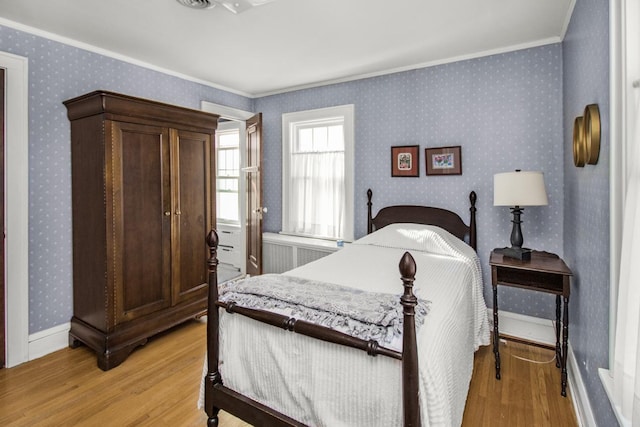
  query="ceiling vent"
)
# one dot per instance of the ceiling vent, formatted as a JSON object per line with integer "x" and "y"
{"x": 234, "y": 6}
{"x": 197, "y": 4}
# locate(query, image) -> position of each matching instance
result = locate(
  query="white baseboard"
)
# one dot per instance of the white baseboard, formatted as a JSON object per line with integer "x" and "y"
{"x": 543, "y": 331}
{"x": 47, "y": 341}
{"x": 526, "y": 327}
{"x": 579, "y": 395}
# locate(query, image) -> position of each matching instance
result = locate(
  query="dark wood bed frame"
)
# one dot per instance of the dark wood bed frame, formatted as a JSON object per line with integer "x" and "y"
{"x": 218, "y": 397}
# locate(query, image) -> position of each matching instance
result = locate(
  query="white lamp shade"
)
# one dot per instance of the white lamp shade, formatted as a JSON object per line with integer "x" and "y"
{"x": 523, "y": 188}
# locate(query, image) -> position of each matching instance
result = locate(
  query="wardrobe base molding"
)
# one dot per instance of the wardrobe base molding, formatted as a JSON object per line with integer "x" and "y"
{"x": 112, "y": 348}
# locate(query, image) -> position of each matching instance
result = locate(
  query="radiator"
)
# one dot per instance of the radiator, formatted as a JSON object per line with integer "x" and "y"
{"x": 281, "y": 253}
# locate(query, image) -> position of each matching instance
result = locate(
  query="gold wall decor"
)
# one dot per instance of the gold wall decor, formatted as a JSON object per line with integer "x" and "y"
{"x": 579, "y": 148}
{"x": 586, "y": 137}
{"x": 592, "y": 133}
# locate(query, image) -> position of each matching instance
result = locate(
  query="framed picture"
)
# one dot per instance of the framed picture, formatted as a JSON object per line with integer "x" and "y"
{"x": 443, "y": 160}
{"x": 405, "y": 161}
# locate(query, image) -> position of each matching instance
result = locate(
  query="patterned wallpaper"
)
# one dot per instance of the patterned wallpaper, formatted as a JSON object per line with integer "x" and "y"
{"x": 505, "y": 111}
{"x": 58, "y": 72}
{"x": 586, "y": 229}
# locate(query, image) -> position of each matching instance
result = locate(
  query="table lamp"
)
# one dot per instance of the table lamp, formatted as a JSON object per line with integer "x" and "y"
{"x": 518, "y": 189}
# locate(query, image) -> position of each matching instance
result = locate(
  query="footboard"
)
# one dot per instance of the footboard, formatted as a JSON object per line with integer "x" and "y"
{"x": 218, "y": 397}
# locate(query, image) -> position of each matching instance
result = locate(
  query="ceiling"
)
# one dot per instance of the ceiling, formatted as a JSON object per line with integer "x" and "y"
{"x": 292, "y": 44}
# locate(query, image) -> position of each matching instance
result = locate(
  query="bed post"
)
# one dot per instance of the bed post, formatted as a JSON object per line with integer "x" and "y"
{"x": 213, "y": 376}
{"x": 410, "y": 387}
{"x": 472, "y": 223}
{"x": 369, "y": 218}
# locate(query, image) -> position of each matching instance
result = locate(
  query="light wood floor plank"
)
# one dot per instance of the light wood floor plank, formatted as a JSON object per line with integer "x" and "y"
{"x": 158, "y": 385}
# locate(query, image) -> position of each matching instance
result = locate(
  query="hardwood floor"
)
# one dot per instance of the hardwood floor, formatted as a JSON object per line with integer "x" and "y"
{"x": 528, "y": 393}
{"x": 159, "y": 385}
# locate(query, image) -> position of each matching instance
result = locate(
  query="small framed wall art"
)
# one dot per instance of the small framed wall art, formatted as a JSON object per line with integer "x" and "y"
{"x": 444, "y": 160}
{"x": 405, "y": 161}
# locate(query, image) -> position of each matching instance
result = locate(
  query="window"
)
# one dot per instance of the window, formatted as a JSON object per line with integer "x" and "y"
{"x": 228, "y": 173}
{"x": 317, "y": 196}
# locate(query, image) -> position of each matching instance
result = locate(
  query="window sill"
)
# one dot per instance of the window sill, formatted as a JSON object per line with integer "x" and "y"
{"x": 607, "y": 382}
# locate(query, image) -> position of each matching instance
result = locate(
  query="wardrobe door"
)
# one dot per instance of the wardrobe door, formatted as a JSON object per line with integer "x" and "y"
{"x": 141, "y": 179}
{"x": 194, "y": 195}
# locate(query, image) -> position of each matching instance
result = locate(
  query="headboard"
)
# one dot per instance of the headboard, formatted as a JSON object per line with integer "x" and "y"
{"x": 443, "y": 218}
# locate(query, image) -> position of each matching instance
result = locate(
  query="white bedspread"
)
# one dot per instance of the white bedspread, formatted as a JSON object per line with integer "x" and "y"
{"x": 324, "y": 384}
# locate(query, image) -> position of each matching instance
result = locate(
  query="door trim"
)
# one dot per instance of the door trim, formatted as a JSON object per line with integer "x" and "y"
{"x": 17, "y": 208}
{"x": 226, "y": 112}
{"x": 238, "y": 115}
{"x": 3, "y": 305}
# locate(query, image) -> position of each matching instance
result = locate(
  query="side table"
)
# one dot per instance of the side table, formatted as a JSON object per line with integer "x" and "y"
{"x": 545, "y": 272}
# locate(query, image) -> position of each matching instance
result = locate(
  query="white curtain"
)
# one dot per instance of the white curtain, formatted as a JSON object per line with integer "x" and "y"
{"x": 626, "y": 366}
{"x": 317, "y": 205}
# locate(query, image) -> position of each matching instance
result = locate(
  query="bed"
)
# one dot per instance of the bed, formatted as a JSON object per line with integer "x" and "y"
{"x": 417, "y": 366}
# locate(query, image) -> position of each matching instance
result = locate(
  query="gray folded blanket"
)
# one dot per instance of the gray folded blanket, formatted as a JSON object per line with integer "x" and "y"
{"x": 361, "y": 314}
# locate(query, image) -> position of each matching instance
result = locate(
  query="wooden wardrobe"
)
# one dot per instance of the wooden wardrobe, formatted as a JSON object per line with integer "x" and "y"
{"x": 143, "y": 200}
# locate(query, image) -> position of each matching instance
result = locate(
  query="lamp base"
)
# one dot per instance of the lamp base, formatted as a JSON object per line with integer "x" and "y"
{"x": 522, "y": 254}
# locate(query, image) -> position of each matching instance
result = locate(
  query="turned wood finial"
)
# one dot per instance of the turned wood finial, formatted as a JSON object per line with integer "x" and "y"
{"x": 408, "y": 273}
{"x": 473, "y": 242}
{"x": 369, "y": 217}
{"x": 408, "y": 268}
{"x": 212, "y": 239}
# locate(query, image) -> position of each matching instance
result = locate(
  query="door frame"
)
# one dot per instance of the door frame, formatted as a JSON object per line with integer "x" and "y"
{"x": 3, "y": 333}
{"x": 624, "y": 68}
{"x": 242, "y": 116}
{"x": 16, "y": 208}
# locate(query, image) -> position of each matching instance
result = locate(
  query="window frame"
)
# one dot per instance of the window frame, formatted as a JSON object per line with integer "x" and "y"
{"x": 290, "y": 121}
{"x": 229, "y": 127}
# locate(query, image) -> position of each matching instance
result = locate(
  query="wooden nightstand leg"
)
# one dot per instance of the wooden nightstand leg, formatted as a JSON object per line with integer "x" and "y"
{"x": 565, "y": 340}
{"x": 496, "y": 334}
{"x": 558, "y": 352}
